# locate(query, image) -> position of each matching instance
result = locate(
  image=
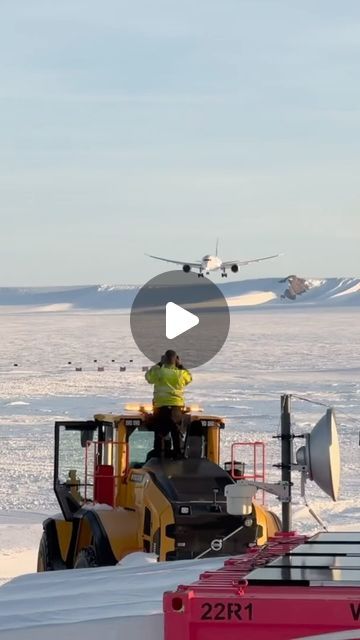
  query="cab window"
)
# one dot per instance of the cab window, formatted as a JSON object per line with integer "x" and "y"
{"x": 140, "y": 443}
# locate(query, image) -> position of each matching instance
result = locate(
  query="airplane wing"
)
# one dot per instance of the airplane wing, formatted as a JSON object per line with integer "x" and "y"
{"x": 243, "y": 263}
{"x": 195, "y": 265}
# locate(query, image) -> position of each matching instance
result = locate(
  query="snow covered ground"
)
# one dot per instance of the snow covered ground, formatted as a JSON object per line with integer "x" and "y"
{"x": 116, "y": 603}
{"x": 314, "y": 354}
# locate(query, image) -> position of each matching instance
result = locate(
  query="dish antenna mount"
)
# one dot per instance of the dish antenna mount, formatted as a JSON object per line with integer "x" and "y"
{"x": 317, "y": 460}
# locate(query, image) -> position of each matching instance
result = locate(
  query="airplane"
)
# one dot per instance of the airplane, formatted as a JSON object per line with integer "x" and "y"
{"x": 211, "y": 263}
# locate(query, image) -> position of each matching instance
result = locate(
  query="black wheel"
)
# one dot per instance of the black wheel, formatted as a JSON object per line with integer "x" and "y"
{"x": 86, "y": 559}
{"x": 44, "y": 562}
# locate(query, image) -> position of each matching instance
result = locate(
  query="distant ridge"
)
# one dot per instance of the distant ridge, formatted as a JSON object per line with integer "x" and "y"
{"x": 292, "y": 291}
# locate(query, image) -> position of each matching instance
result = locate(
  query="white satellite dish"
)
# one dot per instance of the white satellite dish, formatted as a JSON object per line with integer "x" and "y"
{"x": 320, "y": 457}
{"x": 318, "y": 460}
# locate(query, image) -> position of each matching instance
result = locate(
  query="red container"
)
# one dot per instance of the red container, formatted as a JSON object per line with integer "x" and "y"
{"x": 222, "y": 606}
{"x": 261, "y": 613}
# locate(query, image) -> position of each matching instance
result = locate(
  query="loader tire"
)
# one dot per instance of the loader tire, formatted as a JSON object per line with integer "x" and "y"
{"x": 43, "y": 561}
{"x": 86, "y": 559}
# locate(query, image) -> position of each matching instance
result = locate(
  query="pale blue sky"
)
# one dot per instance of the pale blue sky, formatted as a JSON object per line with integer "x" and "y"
{"x": 157, "y": 125}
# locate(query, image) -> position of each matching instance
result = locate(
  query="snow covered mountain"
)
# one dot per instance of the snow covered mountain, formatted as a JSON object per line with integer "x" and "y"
{"x": 292, "y": 291}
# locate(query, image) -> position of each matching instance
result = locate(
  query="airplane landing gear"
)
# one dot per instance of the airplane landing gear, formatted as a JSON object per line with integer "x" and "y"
{"x": 200, "y": 275}
{"x": 224, "y": 274}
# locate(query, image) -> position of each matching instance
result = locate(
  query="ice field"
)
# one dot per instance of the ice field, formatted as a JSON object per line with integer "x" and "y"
{"x": 311, "y": 353}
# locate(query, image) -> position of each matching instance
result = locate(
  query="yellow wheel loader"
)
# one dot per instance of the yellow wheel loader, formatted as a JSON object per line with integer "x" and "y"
{"x": 117, "y": 498}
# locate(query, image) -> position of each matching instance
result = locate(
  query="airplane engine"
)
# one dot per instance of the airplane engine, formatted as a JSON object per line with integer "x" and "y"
{"x": 234, "y": 268}
{"x": 186, "y": 268}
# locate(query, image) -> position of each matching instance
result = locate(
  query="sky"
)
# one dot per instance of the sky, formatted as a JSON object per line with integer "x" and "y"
{"x": 138, "y": 126}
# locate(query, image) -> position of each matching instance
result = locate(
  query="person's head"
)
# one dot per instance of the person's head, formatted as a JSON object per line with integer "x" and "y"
{"x": 170, "y": 357}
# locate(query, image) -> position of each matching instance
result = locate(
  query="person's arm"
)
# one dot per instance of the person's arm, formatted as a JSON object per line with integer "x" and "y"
{"x": 186, "y": 376}
{"x": 151, "y": 375}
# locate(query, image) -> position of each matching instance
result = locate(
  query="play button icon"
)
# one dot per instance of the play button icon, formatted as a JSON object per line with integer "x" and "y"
{"x": 179, "y": 311}
{"x": 178, "y": 320}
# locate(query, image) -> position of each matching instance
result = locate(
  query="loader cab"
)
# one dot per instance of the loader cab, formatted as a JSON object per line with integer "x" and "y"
{"x": 95, "y": 460}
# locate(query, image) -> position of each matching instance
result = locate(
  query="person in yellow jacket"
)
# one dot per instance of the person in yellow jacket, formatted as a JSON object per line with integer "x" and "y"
{"x": 169, "y": 379}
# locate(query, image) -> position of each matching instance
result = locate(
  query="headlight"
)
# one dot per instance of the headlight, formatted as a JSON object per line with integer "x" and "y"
{"x": 144, "y": 408}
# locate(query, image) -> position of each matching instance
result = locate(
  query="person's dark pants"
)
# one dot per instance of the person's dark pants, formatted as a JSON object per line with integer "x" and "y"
{"x": 167, "y": 420}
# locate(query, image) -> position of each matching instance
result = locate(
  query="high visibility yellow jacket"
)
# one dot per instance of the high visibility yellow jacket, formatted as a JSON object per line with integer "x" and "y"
{"x": 169, "y": 383}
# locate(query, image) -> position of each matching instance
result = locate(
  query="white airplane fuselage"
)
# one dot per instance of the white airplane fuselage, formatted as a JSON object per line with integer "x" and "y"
{"x": 210, "y": 263}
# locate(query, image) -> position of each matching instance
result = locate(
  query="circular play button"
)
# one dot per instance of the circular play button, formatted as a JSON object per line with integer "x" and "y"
{"x": 180, "y": 311}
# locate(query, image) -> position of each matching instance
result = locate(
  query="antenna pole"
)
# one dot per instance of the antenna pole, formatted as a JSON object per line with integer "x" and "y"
{"x": 286, "y": 457}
